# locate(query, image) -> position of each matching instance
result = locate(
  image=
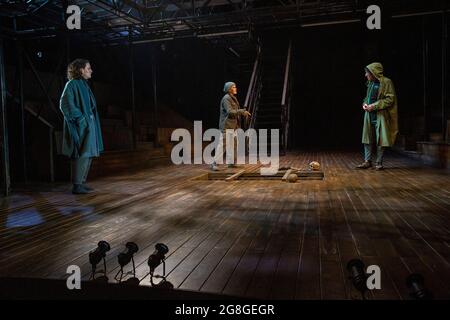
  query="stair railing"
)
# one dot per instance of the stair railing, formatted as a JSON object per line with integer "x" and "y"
{"x": 286, "y": 99}
{"x": 254, "y": 90}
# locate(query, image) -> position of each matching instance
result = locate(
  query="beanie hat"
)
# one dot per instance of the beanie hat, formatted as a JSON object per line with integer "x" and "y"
{"x": 227, "y": 86}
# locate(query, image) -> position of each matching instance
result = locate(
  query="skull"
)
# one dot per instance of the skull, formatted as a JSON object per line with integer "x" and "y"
{"x": 315, "y": 166}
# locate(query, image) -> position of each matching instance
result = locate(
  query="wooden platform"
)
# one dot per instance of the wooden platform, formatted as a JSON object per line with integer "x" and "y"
{"x": 253, "y": 238}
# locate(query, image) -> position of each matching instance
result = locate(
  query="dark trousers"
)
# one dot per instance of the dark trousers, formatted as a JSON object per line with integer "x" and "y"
{"x": 80, "y": 169}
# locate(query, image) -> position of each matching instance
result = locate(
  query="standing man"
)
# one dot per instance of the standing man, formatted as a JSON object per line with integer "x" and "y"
{"x": 229, "y": 114}
{"x": 380, "y": 117}
{"x": 82, "y": 137}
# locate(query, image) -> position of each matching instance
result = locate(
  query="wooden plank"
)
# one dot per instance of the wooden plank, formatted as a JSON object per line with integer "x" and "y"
{"x": 308, "y": 276}
{"x": 235, "y": 176}
{"x": 255, "y": 238}
{"x": 286, "y": 175}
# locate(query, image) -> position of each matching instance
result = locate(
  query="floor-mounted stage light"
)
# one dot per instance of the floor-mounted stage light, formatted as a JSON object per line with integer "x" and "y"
{"x": 416, "y": 284}
{"x": 358, "y": 275}
{"x": 125, "y": 257}
{"x": 155, "y": 259}
{"x": 98, "y": 255}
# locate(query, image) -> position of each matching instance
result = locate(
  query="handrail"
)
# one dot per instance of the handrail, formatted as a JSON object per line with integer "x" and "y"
{"x": 252, "y": 78}
{"x": 286, "y": 74}
{"x": 37, "y": 116}
{"x": 254, "y": 89}
{"x": 285, "y": 108}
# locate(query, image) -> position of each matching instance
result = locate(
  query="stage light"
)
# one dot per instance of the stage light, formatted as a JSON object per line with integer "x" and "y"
{"x": 125, "y": 257}
{"x": 98, "y": 255}
{"x": 416, "y": 284}
{"x": 156, "y": 258}
{"x": 357, "y": 274}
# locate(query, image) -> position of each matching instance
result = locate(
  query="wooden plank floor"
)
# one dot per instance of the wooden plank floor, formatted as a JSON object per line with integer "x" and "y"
{"x": 262, "y": 239}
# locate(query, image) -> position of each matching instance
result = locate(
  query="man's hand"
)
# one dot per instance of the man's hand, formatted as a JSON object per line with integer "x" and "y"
{"x": 370, "y": 108}
{"x": 246, "y": 114}
{"x": 364, "y": 106}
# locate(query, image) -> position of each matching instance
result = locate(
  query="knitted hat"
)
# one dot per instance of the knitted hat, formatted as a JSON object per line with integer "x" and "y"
{"x": 227, "y": 86}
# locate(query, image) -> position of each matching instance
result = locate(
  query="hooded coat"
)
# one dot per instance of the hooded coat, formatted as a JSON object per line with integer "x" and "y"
{"x": 386, "y": 109}
{"x": 82, "y": 136}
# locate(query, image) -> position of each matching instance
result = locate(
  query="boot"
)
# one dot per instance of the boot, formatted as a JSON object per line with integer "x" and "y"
{"x": 79, "y": 189}
{"x": 364, "y": 165}
{"x": 87, "y": 187}
{"x": 379, "y": 166}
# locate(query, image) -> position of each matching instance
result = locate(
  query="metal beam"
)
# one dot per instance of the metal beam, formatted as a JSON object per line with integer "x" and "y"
{"x": 155, "y": 100}
{"x": 425, "y": 78}
{"x": 22, "y": 109}
{"x": 133, "y": 100}
{"x": 115, "y": 11}
{"x": 6, "y": 183}
{"x": 444, "y": 75}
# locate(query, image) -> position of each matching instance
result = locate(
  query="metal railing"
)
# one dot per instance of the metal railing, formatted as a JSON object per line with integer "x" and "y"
{"x": 254, "y": 90}
{"x": 286, "y": 99}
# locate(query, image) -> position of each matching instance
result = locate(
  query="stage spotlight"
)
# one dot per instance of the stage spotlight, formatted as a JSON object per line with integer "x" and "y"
{"x": 125, "y": 257}
{"x": 155, "y": 259}
{"x": 98, "y": 255}
{"x": 357, "y": 274}
{"x": 415, "y": 282}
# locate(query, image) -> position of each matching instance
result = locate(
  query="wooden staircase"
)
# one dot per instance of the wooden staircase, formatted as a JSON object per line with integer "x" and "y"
{"x": 269, "y": 108}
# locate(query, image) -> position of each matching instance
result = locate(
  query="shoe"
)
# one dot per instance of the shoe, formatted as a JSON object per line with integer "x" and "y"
{"x": 214, "y": 167}
{"x": 79, "y": 189}
{"x": 88, "y": 188}
{"x": 232, "y": 165}
{"x": 379, "y": 166}
{"x": 364, "y": 165}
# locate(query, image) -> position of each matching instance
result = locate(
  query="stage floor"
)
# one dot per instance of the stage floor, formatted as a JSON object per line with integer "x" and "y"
{"x": 262, "y": 239}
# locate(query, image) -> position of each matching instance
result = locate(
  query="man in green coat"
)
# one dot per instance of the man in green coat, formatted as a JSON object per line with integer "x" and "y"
{"x": 380, "y": 116}
{"x": 82, "y": 136}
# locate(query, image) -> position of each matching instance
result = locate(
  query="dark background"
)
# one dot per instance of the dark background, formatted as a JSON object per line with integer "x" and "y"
{"x": 329, "y": 82}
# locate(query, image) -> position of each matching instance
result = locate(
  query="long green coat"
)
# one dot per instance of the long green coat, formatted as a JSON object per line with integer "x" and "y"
{"x": 82, "y": 136}
{"x": 386, "y": 108}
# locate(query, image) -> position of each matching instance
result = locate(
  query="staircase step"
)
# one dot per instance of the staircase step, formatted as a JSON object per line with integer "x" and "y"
{"x": 268, "y": 124}
{"x": 270, "y": 101}
{"x": 272, "y": 111}
{"x": 269, "y": 116}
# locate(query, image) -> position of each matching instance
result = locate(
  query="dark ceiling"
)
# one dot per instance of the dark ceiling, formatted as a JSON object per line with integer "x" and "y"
{"x": 121, "y": 21}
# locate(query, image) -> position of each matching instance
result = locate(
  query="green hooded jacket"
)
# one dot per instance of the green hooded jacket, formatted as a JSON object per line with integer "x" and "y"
{"x": 386, "y": 108}
{"x": 82, "y": 136}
